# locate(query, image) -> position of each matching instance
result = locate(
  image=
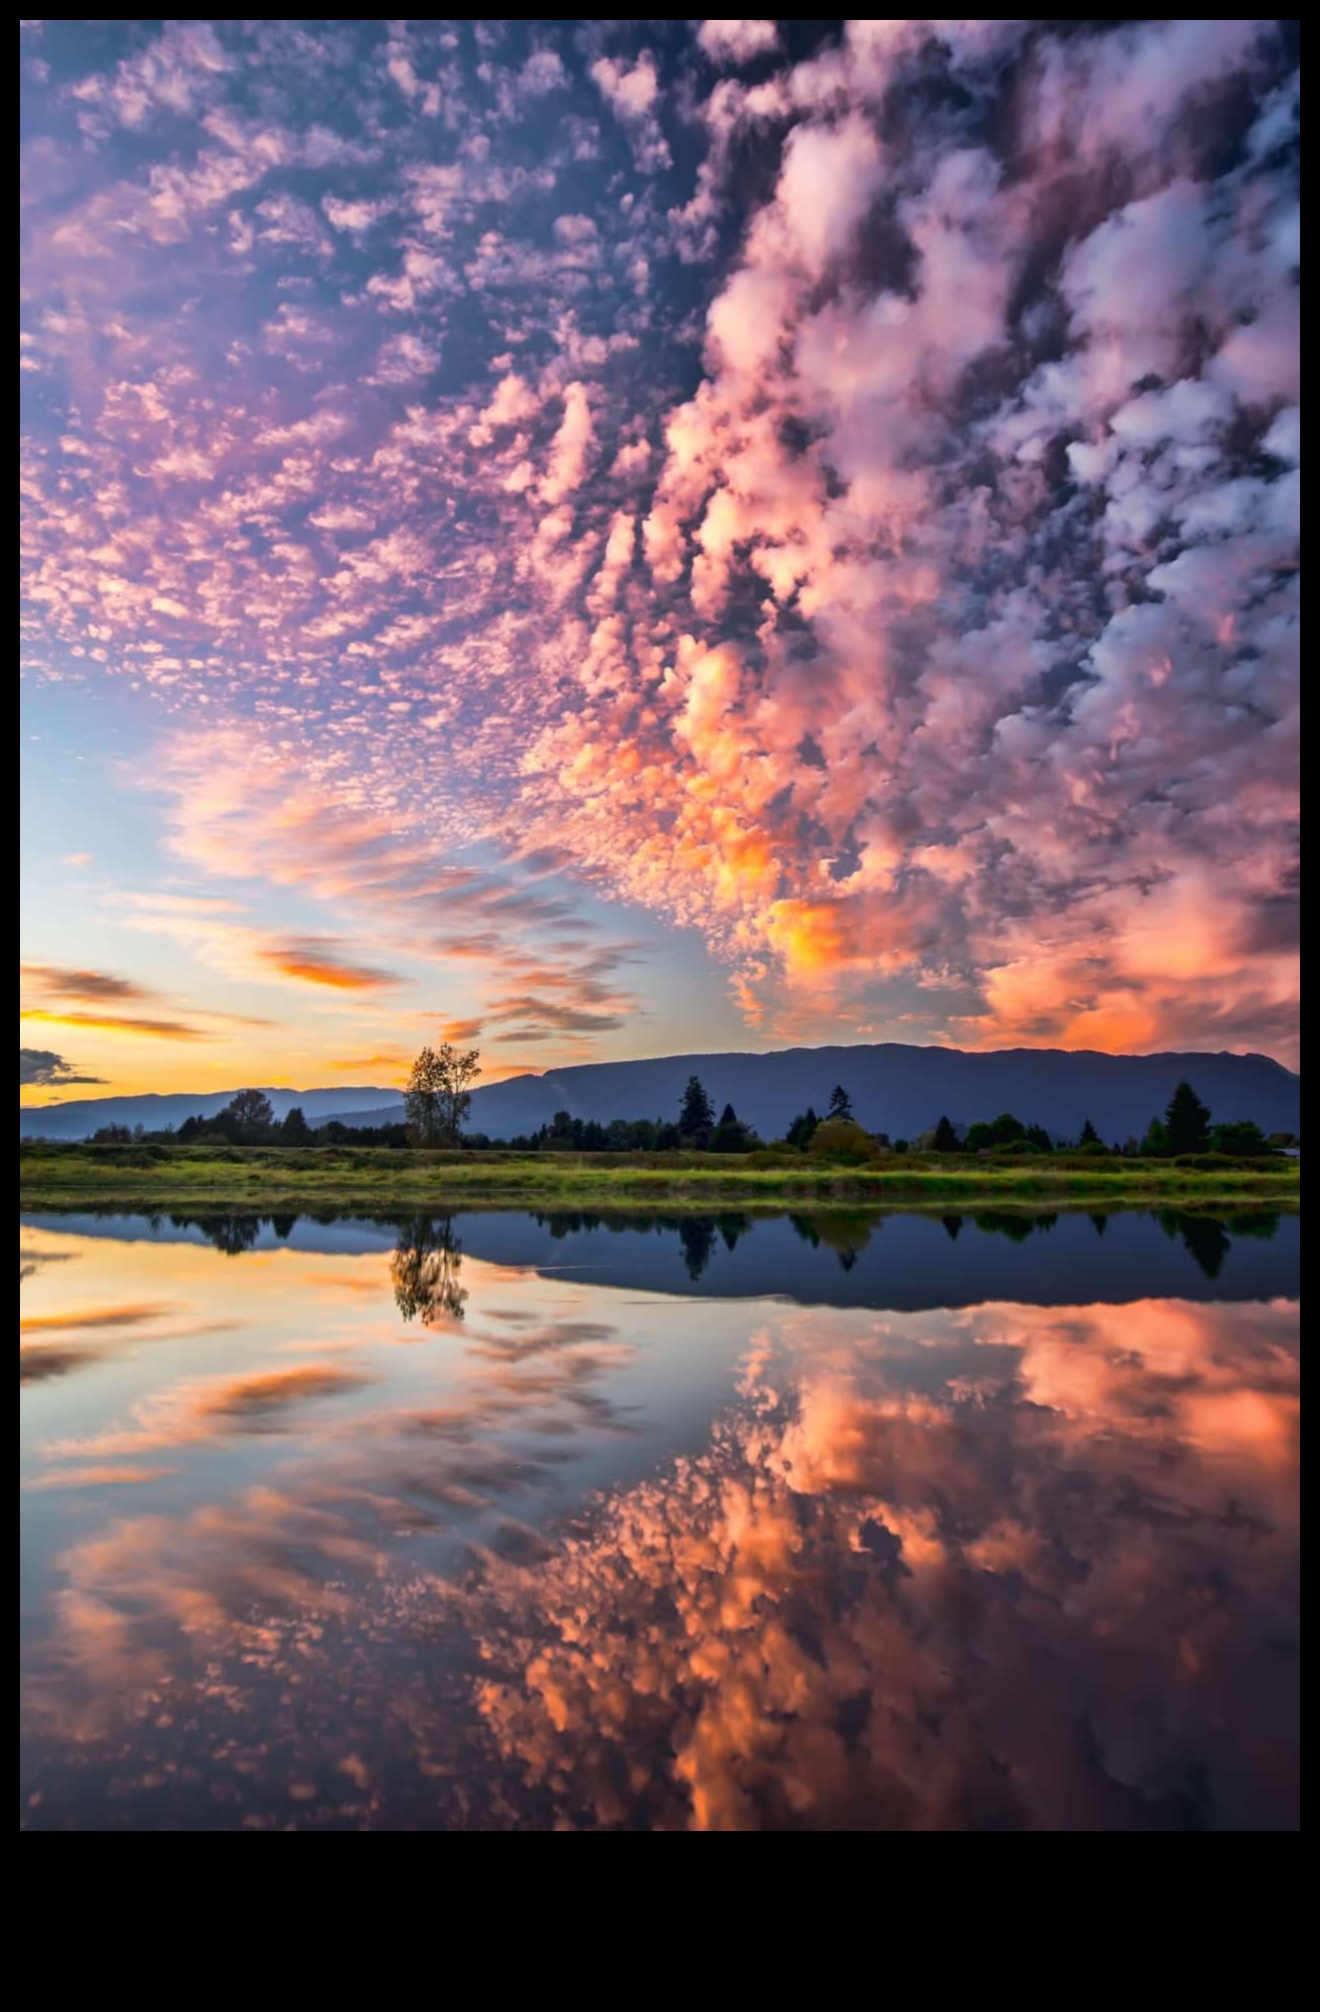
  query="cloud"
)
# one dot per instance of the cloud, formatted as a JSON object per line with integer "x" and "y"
{"x": 898, "y": 589}
{"x": 632, "y": 91}
{"x": 319, "y": 961}
{"x": 926, "y": 1577}
{"x": 738, "y": 41}
{"x": 99, "y": 1476}
{"x": 43, "y": 1066}
{"x": 89, "y": 986}
{"x": 115, "y": 1023}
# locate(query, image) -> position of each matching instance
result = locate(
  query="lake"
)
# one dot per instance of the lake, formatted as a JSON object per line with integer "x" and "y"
{"x": 507, "y": 1521}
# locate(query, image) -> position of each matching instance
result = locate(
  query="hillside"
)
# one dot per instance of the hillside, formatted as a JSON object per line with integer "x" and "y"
{"x": 81, "y": 1116}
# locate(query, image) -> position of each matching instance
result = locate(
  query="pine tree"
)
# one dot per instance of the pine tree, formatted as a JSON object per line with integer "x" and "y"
{"x": 802, "y": 1130}
{"x": 696, "y": 1114}
{"x": 946, "y": 1140}
{"x": 1089, "y": 1135}
{"x": 840, "y": 1103}
{"x": 1187, "y": 1121}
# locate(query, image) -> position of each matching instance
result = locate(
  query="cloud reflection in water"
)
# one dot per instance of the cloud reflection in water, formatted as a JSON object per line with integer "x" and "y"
{"x": 1005, "y": 1566}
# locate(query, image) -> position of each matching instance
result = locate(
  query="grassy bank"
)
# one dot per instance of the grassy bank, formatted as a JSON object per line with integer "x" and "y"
{"x": 275, "y": 1178}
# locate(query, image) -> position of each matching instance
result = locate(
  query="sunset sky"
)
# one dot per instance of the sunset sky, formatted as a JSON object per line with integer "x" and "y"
{"x": 604, "y": 539}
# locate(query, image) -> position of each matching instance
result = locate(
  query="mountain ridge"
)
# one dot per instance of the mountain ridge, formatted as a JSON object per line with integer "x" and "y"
{"x": 895, "y": 1087}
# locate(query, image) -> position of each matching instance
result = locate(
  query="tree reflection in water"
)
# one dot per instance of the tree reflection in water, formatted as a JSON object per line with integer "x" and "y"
{"x": 234, "y": 1235}
{"x": 424, "y": 1268}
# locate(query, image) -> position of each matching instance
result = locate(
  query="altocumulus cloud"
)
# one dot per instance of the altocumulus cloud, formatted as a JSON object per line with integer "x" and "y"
{"x": 865, "y": 535}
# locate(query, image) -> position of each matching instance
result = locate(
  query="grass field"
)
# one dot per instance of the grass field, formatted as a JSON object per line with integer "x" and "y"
{"x": 277, "y": 1178}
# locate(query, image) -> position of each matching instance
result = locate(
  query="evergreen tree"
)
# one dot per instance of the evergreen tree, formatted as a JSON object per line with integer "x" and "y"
{"x": 840, "y": 1103}
{"x": 1089, "y": 1135}
{"x": 1187, "y": 1121}
{"x": 731, "y": 1135}
{"x": 697, "y": 1236}
{"x": 946, "y": 1140}
{"x": 802, "y": 1130}
{"x": 295, "y": 1131}
{"x": 696, "y": 1114}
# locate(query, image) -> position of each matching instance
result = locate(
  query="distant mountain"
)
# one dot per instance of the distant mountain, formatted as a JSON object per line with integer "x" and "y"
{"x": 895, "y": 1089}
{"x": 82, "y": 1116}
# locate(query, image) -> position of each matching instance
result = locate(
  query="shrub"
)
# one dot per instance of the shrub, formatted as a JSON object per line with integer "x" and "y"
{"x": 842, "y": 1139}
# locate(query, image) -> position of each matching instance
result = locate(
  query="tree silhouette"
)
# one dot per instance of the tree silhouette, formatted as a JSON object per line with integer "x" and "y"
{"x": 438, "y": 1094}
{"x": 424, "y": 1267}
{"x": 232, "y": 1234}
{"x": 731, "y": 1135}
{"x": 1088, "y": 1136}
{"x": 946, "y": 1140}
{"x": 1243, "y": 1139}
{"x": 249, "y": 1116}
{"x": 840, "y": 1103}
{"x": 1207, "y": 1240}
{"x": 295, "y": 1131}
{"x": 1187, "y": 1121}
{"x": 802, "y": 1130}
{"x": 697, "y": 1236}
{"x": 696, "y": 1114}
{"x": 1000, "y": 1131}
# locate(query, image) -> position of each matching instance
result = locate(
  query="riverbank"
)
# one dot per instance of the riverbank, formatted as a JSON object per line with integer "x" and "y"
{"x": 275, "y": 1178}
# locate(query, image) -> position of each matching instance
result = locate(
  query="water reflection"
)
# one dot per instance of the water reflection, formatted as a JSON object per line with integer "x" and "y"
{"x": 425, "y": 1267}
{"x": 430, "y": 1253}
{"x": 602, "y": 1556}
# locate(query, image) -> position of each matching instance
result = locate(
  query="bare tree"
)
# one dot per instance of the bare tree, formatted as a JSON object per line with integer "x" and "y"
{"x": 438, "y": 1096}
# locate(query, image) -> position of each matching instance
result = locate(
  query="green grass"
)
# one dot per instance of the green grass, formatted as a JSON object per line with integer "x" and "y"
{"x": 345, "y": 1177}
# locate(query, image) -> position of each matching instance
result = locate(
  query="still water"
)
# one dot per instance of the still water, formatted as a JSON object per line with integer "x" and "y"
{"x": 516, "y": 1521}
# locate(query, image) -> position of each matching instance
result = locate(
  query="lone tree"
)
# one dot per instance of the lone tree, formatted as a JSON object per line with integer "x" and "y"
{"x": 1187, "y": 1121}
{"x": 1089, "y": 1135}
{"x": 840, "y": 1103}
{"x": 249, "y": 1115}
{"x": 696, "y": 1114}
{"x": 425, "y": 1269}
{"x": 946, "y": 1140}
{"x": 437, "y": 1097}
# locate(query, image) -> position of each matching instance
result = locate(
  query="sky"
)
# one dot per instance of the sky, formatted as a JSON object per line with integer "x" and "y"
{"x": 605, "y": 539}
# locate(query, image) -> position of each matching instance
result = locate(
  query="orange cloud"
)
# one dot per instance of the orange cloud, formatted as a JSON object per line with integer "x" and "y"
{"x": 317, "y": 961}
{"x": 110, "y": 1023}
{"x": 83, "y": 985}
{"x": 104, "y": 1476}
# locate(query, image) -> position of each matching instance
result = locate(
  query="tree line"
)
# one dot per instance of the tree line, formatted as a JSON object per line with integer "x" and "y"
{"x": 438, "y": 1098}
